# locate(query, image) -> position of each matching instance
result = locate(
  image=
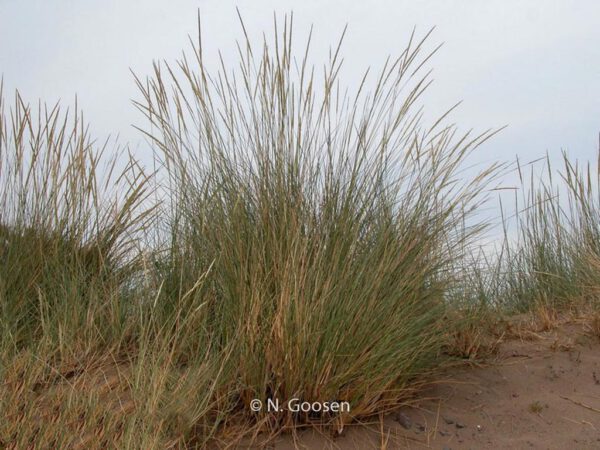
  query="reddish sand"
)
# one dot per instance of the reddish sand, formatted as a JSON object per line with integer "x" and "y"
{"x": 541, "y": 393}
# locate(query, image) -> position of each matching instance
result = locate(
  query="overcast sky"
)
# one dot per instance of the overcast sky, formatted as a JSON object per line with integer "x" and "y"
{"x": 531, "y": 65}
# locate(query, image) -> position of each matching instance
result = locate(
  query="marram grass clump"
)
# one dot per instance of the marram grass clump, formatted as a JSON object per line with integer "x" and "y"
{"x": 70, "y": 221}
{"x": 68, "y": 225}
{"x": 552, "y": 266}
{"x": 313, "y": 228}
{"x": 298, "y": 241}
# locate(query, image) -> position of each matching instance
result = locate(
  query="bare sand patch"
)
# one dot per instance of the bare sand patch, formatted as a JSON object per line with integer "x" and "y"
{"x": 539, "y": 393}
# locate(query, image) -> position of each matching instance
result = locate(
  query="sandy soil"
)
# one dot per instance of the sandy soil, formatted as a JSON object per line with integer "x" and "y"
{"x": 539, "y": 393}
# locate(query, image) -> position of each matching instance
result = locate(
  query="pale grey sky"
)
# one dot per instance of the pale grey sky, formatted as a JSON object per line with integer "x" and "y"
{"x": 533, "y": 65}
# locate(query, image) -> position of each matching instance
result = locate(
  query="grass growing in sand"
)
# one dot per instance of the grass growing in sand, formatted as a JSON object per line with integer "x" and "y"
{"x": 298, "y": 241}
{"x": 310, "y": 232}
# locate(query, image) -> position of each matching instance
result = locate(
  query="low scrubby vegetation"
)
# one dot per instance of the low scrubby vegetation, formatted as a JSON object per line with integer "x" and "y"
{"x": 297, "y": 241}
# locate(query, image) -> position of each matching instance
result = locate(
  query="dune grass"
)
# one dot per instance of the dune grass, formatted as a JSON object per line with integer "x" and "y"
{"x": 311, "y": 231}
{"x": 298, "y": 240}
{"x": 551, "y": 264}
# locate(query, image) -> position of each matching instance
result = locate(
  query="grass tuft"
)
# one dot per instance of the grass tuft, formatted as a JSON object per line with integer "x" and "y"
{"x": 311, "y": 231}
{"x": 299, "y": 240}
